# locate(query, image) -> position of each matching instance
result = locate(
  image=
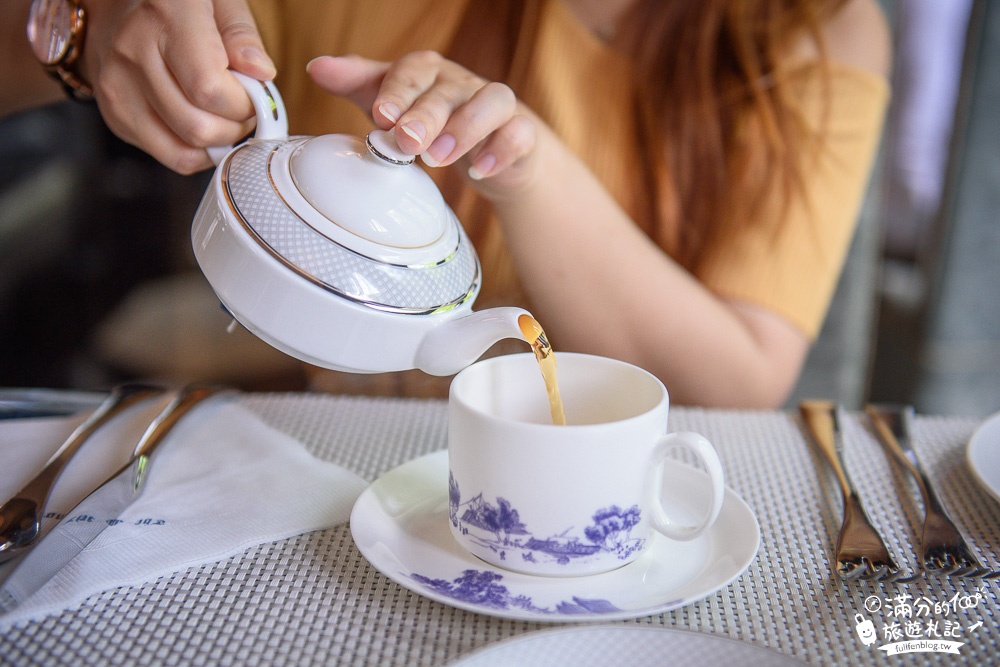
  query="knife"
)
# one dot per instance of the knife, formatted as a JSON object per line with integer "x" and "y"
{"x": 16, "y": 403}
{"x": 21, "y": 515}
{"x": 100, "y": 509}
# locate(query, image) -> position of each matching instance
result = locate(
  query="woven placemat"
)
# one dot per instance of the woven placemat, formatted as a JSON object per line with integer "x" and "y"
{"x": 313, "y": 599}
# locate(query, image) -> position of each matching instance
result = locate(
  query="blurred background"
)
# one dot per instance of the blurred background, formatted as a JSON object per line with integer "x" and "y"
{"x": 98, "y": 283}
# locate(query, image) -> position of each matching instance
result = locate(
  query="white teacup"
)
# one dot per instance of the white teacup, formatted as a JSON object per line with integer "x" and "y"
{"x": 529, "y": 496}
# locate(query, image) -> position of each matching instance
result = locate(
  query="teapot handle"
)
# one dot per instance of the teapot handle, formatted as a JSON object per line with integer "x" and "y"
{"x": 272, "y": 121}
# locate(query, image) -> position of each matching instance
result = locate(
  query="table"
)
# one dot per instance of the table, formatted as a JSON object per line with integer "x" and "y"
{"x": 314, "y": 600}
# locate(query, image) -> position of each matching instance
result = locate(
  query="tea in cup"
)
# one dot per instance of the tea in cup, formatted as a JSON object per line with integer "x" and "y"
{"x": 565, "y": 500}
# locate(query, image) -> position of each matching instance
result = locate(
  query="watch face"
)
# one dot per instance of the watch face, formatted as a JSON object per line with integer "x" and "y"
{"x": 50, "y": 25}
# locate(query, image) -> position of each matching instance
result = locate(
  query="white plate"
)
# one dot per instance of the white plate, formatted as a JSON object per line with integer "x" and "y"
{"x": 984, "y": 454}
{"x": 590, "y": 646}
{"x": 400, "y": 524}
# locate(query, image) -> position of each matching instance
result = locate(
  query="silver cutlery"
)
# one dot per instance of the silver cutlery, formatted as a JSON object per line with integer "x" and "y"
{"x": 20, "y": 403}
{"x": 100, "y": 509}
{"x": 21, "y": 516}
{"x": 944, "y": 550}
{"x": 860, "y": 551}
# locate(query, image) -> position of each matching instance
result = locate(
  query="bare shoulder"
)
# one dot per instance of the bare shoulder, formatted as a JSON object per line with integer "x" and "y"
{"x": 858, "y": 35}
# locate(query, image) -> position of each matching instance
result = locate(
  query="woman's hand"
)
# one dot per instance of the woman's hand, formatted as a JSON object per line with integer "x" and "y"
{"x": 442, "y": 112}
{"x": 159, "y": 70}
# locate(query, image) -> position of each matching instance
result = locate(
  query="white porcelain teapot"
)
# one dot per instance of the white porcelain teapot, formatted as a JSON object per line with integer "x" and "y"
{"x": 341, "y": 252}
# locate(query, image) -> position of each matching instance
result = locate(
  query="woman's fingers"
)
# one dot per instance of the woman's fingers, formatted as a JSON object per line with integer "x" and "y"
{"x": 135, "y": 121}
{"x": 243, "y": 44}
{"x": 489, "y": 108}
{"x": 194, "y": 54}
{"x": 514, "y": 140}
{"x": 161, "y": 74}
{"x": 194, "y": 127}
{"x": 423, "y": 90}
{"x": 162, "y": 121}
{"x": 356, "y": 78}
{"x": 440, "y": 110}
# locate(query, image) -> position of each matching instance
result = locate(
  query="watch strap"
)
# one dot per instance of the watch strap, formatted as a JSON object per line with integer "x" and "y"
{"x": 76, "y": 88}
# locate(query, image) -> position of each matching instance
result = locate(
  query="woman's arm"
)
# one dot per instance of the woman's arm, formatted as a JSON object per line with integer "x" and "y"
{"x": 604, "y": 287}
{"x": 601, "y": 283}
{"x": 598, "y": 282}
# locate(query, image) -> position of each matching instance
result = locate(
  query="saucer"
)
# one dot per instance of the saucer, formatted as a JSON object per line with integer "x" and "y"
{"x": 984, "y": 455}
{"x": 590, "y": 646}
{"x": 400, "y": 524}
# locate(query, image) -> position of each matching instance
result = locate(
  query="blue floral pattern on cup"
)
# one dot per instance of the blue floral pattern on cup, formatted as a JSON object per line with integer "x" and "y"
{"x": 499, "y": 528}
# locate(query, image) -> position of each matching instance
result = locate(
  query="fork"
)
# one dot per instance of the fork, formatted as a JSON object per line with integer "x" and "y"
{"x": 860, "y": 551}
{"x": 21, "y": 516}
{"x": 944, "y": 549}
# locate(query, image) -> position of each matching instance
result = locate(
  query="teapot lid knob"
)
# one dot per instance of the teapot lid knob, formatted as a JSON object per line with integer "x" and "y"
{"x": 382, "y": 144}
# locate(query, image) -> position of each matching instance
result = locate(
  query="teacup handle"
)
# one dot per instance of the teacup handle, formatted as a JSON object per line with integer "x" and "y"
{"x": 705, "y": 453}
{"x": 272, "y": 121}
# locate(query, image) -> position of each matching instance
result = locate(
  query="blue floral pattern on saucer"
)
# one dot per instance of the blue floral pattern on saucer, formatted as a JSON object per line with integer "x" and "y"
{"x": 483, "y": 589}
{"x": 401, "y": 524}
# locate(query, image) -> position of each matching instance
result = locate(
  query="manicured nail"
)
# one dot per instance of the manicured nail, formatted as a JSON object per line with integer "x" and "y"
{"x": 439, "y": 150}
{"x": 414, "y": 130}
{"x": 390, "y": 111}
{"x": 482, "y": 166}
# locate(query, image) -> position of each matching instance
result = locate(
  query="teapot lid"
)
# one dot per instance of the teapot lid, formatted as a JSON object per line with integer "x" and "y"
{"x": 354, "y": 216}
{"x": 370, "y": 193}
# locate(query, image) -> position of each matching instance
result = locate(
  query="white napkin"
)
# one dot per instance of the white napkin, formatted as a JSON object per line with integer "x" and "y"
{"x": 222, "y": 482}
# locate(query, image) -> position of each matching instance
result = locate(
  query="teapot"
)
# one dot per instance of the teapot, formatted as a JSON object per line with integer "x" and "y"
{"x": 341, "y": 252}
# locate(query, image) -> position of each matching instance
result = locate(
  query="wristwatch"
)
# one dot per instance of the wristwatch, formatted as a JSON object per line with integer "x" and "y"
{"x": 55, "y": 32}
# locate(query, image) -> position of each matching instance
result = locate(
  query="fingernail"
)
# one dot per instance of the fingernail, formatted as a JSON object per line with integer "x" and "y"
{"x": 414, "y": 130}
{"x": 439, "y": 150}
{"x": 254, "y": 55}
{"x": 482, "y": 167}
{"x": 390, "y": 111}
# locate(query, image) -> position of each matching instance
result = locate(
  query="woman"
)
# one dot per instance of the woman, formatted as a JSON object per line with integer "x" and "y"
{"x": 670, "y": 183}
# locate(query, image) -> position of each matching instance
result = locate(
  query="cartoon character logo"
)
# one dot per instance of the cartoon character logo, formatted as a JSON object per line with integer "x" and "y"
{"x": 866, "y": 630}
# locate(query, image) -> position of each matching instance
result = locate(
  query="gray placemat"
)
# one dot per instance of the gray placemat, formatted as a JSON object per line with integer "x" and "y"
{"x": 313, "y": 600}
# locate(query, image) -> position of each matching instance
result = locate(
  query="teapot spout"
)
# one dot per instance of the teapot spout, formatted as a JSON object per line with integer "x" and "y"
{"x": 454, "y": 344}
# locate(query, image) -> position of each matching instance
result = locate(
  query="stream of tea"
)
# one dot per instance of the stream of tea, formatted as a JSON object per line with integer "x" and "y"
{"x": 535, "y": 335}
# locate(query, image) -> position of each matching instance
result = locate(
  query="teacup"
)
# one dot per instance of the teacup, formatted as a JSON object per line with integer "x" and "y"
{"x": 579, "y": 499}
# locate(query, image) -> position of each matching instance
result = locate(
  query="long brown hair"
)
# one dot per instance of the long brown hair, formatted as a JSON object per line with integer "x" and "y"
{"x": 705, "y": 91}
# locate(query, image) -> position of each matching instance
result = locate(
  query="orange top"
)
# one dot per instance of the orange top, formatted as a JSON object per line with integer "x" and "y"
{"x": 580, "y": 86}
